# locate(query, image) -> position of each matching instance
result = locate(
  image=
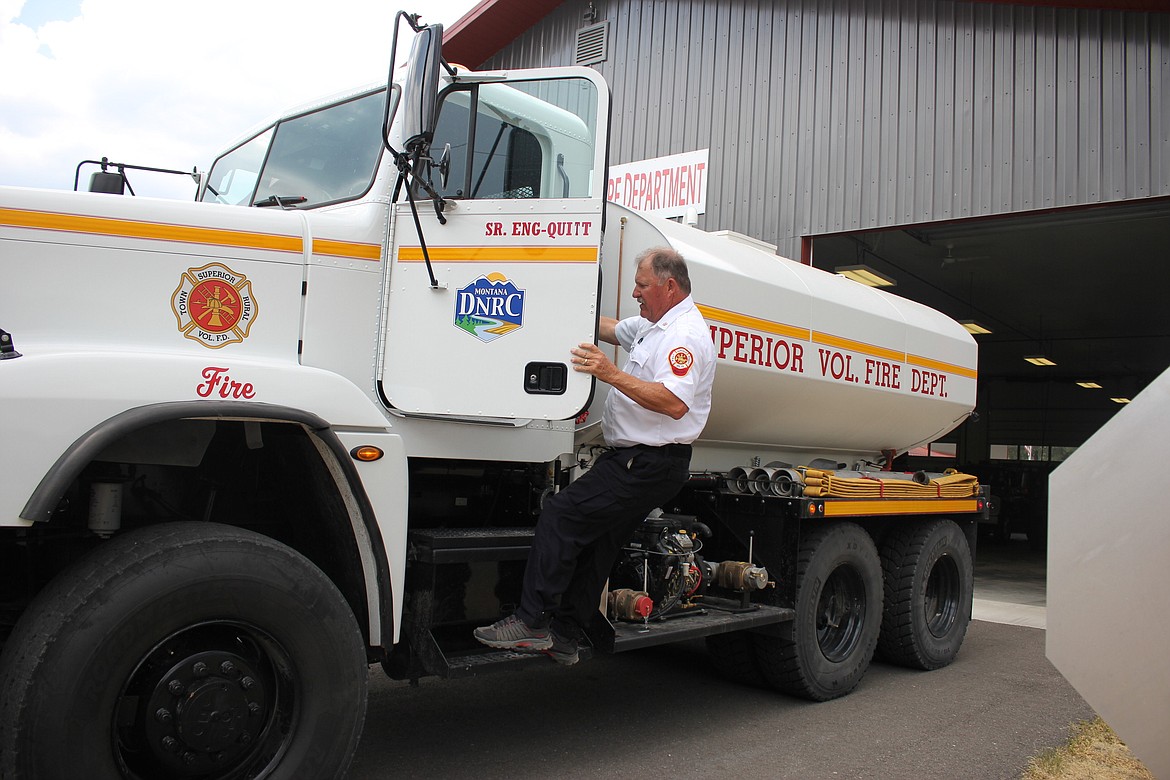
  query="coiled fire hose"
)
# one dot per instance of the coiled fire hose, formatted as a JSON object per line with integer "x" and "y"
{"x": 952, "y": 484}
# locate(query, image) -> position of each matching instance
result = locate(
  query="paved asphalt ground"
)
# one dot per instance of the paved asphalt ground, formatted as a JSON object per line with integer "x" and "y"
{"x": 663, "y": 712}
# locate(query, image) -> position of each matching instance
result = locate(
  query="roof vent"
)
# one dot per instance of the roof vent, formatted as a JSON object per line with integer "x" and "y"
{"x": 592, "y": 44}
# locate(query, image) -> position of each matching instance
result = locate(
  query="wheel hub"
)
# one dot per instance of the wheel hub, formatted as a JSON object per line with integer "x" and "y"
{"x": 210, "y": 701}
{"x": 840, "y": 613}
{"x": 205, "y": 712}
{"x": 940, "y": 602}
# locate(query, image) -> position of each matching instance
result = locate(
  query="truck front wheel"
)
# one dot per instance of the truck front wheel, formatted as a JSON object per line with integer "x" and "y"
{"x": 185, "y": 650}
{"x": 838, "y": 614}
{"x": 928, "y": 586}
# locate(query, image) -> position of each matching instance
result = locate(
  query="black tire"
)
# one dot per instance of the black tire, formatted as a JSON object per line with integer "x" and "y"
{"x": 838, "y": 614}
{"x": 185, "y": 650}
{"x": 929, "y": 580}
{"x": 734, "y": 656}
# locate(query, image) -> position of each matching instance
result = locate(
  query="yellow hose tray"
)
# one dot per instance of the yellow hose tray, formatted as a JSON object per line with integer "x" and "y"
{"x": 952, "y": 484}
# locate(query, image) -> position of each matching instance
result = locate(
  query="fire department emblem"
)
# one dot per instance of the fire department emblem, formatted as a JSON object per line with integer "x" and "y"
{"x": 490, "y": 307}
{"x": 214, "y": 305}
{"x": 681, "y": 361}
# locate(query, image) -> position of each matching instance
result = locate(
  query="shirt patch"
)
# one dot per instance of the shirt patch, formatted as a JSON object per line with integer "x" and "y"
{"x": 681, "y": 361}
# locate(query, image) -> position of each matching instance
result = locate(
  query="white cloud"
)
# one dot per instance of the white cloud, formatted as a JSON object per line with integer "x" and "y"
{"x": 170, "y": 85}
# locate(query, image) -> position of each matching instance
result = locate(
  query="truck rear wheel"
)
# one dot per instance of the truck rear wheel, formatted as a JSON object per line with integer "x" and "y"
{"x": 838, "y": 614}
{"x": 928, "y": 576}
{"x": 185, "y": 650}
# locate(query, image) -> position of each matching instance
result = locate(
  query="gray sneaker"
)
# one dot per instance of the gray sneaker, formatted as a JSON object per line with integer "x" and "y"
{"x": 563, "y": 651}
{"x": 512, "y": 634}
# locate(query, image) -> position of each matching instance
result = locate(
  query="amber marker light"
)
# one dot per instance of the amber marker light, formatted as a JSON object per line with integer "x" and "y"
{"x": 366, "y": 453}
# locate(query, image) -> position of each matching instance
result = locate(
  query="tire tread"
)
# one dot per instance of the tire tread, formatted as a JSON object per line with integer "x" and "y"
{"x": 779, "y": 658}
{"x": 901, "y": 555}
{"x": 68, "y": 603}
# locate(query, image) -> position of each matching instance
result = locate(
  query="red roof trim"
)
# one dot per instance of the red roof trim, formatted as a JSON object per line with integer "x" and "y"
{"x": 490, "y": 26}
{"x": 1101, "y": 5}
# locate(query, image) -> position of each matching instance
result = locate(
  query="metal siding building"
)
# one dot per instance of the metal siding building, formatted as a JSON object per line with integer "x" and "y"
{"x": 874, "y": 114}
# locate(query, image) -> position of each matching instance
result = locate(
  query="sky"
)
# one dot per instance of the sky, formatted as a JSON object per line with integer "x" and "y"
{"x": 172, "y": 84}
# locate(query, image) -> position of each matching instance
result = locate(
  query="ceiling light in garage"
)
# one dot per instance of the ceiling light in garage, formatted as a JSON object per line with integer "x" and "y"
{"x": 974, "y": 328}
{"x": 1039, "y": 360}
{"x": 1090, "y": 385}
{"x": 1119, "y": 400}
{"x": 865, "y": 275}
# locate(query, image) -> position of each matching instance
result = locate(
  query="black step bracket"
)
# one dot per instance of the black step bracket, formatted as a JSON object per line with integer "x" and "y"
{"x": 470, "y": 545}
{"x": 706, "y": 622}
{"x": 486, "y": 661}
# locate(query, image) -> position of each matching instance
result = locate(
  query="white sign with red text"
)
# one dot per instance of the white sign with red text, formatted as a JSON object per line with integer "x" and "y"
{"x": 664, "y": 186}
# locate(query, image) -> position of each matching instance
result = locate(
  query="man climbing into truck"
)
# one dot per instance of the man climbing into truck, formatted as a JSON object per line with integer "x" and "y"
{"x": 660, "y": 407}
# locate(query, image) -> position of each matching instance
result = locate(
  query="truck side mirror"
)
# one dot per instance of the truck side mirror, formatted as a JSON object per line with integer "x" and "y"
{"x": 421, "y": 90}
{"x": 445, "y": 166}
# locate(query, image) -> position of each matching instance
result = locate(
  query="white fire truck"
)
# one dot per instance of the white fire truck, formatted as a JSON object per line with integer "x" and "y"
{"x": 255, "y": 443}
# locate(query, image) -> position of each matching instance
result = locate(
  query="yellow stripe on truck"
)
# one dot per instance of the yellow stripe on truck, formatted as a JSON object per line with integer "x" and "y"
{"x": 938, "y": 365}
{"x": 325, "y": 246}
{"x": 755, "y": 323}
{"x": 163, "y": 231}
{"x": 497, "y": 254}
{"x": 887, "y": 506}
{"x": 860, "y": 347}
{"x": 159, "y": 231}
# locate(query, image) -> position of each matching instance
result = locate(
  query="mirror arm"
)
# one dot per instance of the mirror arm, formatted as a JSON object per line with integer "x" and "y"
{"x": 435, "y": 197}
{"x": 416, "y": 148}
{"x": 403, "y": 162}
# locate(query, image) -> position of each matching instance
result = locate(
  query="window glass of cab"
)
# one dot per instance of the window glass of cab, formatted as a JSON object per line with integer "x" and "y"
{"x": 232, "y": 179}
{"x": 323, "y": 156}
{"x": 525, "y": 139}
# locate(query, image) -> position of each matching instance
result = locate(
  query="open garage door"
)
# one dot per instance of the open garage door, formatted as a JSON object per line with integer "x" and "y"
{"x": 1082, "y": 288}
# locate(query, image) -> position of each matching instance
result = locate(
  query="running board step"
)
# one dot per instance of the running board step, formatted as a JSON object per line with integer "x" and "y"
{"x": 470, "y": 545}
{"x": 470, "y": 664}
{"x": 702, "y": 622}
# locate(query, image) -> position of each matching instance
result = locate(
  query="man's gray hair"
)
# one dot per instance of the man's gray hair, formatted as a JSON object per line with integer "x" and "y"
{"x": 666, "y": 263}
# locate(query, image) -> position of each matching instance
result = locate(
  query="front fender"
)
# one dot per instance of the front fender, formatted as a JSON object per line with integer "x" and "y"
{"x": 51, "y": 401}
{"x": 62, "y": 410}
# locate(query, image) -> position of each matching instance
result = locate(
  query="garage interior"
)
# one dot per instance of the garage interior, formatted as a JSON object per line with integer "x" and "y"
{"x": 1083, "y": 287}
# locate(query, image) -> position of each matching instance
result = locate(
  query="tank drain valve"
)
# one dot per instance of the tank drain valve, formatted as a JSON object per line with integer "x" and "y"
{"x": 628, "y": 604}
{"x": 738, "y": 575}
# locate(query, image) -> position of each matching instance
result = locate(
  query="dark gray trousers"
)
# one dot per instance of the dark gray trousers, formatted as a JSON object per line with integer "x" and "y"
{"x": 582, "y": 529}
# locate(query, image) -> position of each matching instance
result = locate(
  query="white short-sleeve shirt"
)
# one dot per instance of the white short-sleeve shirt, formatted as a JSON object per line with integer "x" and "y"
{"x": 676, "y": 351}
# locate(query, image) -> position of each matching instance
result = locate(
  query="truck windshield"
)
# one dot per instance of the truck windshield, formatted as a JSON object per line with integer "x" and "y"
{"x": 524, "y": 139}
{"x": 323, "y": 156}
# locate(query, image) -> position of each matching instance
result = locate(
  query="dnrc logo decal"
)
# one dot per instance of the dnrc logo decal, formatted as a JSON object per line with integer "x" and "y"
{"x": 490, "y": 307}
{"x": 214, "y": 305}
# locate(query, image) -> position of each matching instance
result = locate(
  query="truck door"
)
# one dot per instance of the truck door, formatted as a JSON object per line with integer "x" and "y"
{"x": 521, "y": 164}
